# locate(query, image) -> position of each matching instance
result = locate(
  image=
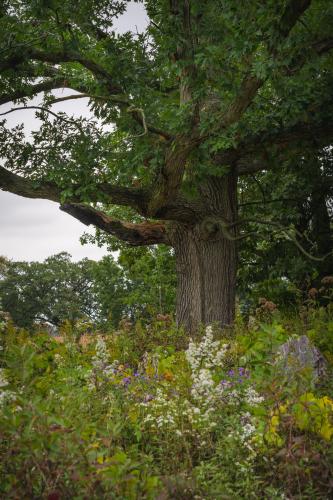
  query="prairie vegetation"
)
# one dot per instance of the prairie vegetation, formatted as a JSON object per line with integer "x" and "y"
{"x": 145, "y": 412}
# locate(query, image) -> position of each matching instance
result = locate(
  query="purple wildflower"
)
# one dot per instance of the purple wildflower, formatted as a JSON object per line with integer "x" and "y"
{"x": 226, "y": 383}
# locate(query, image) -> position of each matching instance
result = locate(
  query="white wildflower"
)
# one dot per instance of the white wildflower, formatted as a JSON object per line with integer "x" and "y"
{"x": 5, "y": 395}
{"x": 208, "y": 353}
{"x": 203, "y": 385}
{"x": 252, "y": 397}
{"x": 3, "y": 380}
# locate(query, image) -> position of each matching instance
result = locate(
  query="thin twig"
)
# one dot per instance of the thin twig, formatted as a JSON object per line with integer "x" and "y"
{"x": 41, "y": 108}
{"x": 287, "y": 232}
{"x": 138, "y": 113}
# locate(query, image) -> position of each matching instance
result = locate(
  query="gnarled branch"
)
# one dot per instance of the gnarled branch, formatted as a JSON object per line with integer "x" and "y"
{"x": 144, "y": 233}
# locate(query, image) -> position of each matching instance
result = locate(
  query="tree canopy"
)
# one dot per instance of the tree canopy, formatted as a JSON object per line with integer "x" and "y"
{"x": 56, "y": 290}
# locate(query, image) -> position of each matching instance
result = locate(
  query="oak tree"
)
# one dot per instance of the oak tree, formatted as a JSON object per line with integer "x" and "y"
{"x": 187, "y": 113}
{"x": 51, "y": 291}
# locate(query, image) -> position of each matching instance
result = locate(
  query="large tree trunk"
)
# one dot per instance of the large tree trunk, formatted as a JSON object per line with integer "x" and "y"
{"x": 206, "y": 259}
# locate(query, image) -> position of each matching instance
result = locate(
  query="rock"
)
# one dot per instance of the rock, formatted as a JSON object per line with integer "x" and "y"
{"x": 298, "y": 354}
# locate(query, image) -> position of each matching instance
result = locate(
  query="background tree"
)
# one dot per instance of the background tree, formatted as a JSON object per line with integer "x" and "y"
{"x": 211, "y": 94}
{"x": 151, "y": 280}
{"x": 141, "y": 285}
{"x": 51, "y": 291}
{"x": 299, "y": 199}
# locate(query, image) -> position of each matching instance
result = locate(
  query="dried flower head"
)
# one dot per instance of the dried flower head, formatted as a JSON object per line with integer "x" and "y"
{"x": 327, "y": 280}
{"x": 269, "y": 306}
{"x": 312, "y": 293}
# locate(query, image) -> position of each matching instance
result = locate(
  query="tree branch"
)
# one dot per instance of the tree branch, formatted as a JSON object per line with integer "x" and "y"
{"x": 320, "y": 47}
{"x": 145, "y": 233}
{"x": 46, "y": 110}
{"x": 62, "y": 57}
{"x": 28, "y": 188}
{"x": 293, "y": 11}
{"x": 167, "y": 185}
{"x": 116, "y": 195}
{"x": 288, "y": 232}
{"x": 253, "y": 155}
{"x": 137, "y": 113}
{"x": 32, "y": 90}
{"x": 251, "y": 84}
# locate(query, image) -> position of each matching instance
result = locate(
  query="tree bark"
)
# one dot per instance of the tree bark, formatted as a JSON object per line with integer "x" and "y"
{"x": 206, "y": 259}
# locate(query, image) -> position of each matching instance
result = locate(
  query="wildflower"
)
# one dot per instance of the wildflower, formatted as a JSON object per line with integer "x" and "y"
{"x": 312, "y": 293}
{"x": 167, "y": 376}
{"x": 327, "y": 280}
{"x": 3, "y": 380}
{"x": 206, "y": 354}
{"x": 226, "y": 383}
{"x": 5, "y": 395}
{"x": 252, "y": 397}
{"x": 59, "y": 360}
{"x": 203, "y": 384}
{"x": 269, "y": 306}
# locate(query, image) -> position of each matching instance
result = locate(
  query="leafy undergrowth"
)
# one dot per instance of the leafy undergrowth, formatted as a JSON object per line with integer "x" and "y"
{"x": 145, "y": 413}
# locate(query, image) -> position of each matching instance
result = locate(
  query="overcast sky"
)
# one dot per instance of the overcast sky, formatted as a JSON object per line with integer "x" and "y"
{"x": 35, "y": 229}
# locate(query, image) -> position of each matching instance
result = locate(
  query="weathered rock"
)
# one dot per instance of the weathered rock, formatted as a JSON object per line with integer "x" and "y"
{"x": 298, "y": 354}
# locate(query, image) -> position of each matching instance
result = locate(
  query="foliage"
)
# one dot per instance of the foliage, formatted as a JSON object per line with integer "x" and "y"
{"x": 52, "y": 291}
{"x": 141, "y": 283}
{"x": 151, "y": 279}
{"x": 106, "y": 418}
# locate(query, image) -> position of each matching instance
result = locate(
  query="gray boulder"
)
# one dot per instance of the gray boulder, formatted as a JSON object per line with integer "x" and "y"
{"x": 298, "y": 354}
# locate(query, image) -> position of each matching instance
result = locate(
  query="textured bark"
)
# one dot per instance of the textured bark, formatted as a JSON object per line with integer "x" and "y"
{"x": 206, "y": 260}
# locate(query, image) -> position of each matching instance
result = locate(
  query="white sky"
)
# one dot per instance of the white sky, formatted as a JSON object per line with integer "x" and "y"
{"x": 35, "y": 229}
